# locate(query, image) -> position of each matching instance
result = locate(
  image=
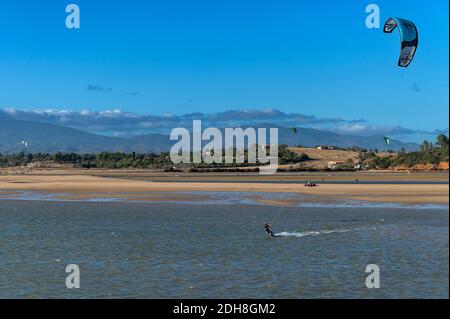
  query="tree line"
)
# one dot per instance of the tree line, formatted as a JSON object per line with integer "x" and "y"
{"x": 429, "y": 153}
{"x": 121, "y": 160}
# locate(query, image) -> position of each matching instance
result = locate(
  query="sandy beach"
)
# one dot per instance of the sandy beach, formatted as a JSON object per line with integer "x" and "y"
{"x": 86, "y": 186}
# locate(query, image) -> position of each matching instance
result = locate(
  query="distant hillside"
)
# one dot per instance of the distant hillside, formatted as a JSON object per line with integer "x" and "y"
{"x": 51, "y": 138}
{"x": 47, "y": 138}
{"x": 310, "y": 138}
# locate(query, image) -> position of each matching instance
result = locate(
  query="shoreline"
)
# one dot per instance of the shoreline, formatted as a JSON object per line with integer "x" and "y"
{"x": 86, "y": 187}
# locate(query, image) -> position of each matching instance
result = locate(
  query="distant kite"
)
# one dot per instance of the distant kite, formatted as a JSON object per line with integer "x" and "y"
{"x": 294, "y": 130}
{"x": 409, "y": 38}
{"x": 387, "y": 140}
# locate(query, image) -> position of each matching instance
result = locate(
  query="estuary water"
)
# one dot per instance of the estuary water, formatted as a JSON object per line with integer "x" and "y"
{"x": 188, "y": 250}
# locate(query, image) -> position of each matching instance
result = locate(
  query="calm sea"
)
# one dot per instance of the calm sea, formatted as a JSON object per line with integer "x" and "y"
{"x": 164, "y": 250}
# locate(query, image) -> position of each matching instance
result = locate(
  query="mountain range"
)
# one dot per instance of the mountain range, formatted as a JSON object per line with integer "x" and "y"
{"x": 20, "y": 135}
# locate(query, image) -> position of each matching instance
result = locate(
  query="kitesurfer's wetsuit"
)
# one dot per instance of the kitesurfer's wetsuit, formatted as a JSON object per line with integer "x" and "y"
{"x": 268, "y": 231}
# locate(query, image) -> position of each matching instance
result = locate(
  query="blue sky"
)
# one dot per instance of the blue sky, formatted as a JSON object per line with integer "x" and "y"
{"x": 181, "y": 56}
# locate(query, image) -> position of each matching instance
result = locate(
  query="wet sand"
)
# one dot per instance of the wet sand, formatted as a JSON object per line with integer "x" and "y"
{"x": 137, "y": 174}
{"x": 85, "y": 186}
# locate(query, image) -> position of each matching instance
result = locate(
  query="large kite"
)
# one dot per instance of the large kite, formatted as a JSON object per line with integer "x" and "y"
{"x": 409, "y": 38}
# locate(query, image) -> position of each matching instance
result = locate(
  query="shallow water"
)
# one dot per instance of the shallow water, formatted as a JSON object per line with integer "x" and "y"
{"x": 208, "y": 198}
{"x": 173, "y": 250}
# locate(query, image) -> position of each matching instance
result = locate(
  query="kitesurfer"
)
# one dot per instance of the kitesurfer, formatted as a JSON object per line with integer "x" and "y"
{"x": 268, "y": 230}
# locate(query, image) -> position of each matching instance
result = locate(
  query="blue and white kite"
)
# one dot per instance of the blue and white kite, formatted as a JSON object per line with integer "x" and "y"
{"x": 409, "y": 38}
